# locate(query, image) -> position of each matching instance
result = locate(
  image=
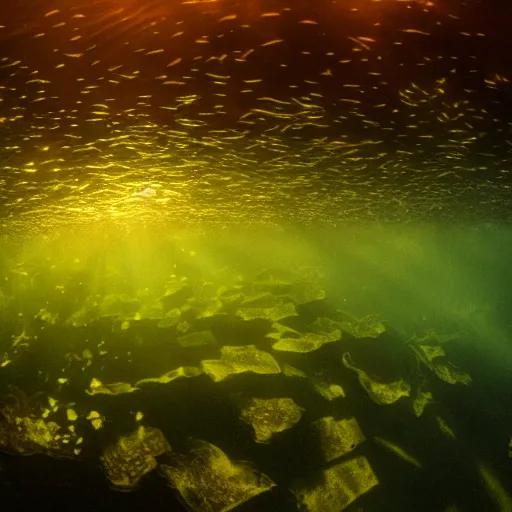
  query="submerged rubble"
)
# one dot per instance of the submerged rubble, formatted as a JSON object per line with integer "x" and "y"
{"x": 208, "y": 481}
{"x": 433, "y": 356}
{"x": 236, "y": 360}
{"x": 133, "y": 456}
{"x": 96, "y": 387}
{"x": 269, "y": 417}
{"x": 26, "y": 429}
{"x": 293, "y": 357}
{"x": 337, "y": 438}
{"x": 307, "y": 342}
{"x": 183, "y": 371}
{"x": 334, "y": 489}
{"x": 381, "y": 393}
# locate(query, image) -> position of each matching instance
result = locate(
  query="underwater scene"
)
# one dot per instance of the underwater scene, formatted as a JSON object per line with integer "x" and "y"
{"x": 255, "y": 255}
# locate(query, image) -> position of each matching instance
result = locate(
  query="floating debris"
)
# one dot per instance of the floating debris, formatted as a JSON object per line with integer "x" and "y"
{"x": 498, "y": 493}
{"x": 445, "y": 429}
{"x": 400, "y": 452}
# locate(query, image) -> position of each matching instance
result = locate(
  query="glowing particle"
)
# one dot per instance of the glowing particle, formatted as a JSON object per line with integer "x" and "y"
{"x": 174, "y": 62}
{"x": 274, "y": 41}
{"x": 415, "y": 31}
